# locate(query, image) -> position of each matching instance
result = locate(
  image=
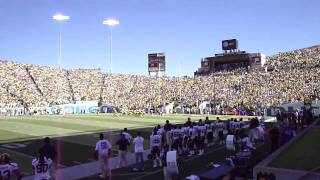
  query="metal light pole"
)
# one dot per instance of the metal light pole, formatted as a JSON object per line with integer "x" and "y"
{"x": 111, "y": 23}
{"x": 60, "y": 18}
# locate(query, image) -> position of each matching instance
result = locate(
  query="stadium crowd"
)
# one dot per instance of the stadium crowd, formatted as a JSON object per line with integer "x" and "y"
{"x": 291, "y": 76}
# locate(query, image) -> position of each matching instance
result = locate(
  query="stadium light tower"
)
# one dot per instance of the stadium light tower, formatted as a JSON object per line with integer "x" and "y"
{"x": 111, "y": 23}
{"x": 60, "y": 18}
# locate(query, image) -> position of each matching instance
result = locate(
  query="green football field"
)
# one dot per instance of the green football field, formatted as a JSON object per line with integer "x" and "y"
{"x": 33, "y": 127}
{"x": 75, "y": 135}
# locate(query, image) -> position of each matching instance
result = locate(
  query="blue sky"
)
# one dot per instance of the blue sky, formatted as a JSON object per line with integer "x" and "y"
{"x": 186, "y": 30}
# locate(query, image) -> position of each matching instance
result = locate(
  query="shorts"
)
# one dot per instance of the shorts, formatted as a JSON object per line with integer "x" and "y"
{"x": 191, "y": 143}
{"x": 220, "y": 133}
{"x": 198, "y": 141}
{"x": 175, "y": 144}
{"x": 185, "y": 141}
{"x": 180, "y": 142}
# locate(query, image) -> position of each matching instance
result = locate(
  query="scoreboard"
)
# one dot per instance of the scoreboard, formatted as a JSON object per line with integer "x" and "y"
{"x": 156, "y": 62}
{"x": 230, "y": 44}
{"x": 231, "y": 59}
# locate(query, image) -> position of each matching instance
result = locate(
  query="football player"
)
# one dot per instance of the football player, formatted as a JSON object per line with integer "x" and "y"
{"x": 127, "y": 135}
{"x": 8, "y": 170}
{"x": 185, "y": 135}
{"x": 155, "y": 146}
{"x": 202, "y": 136}
{"x": 192, "y": 139}
{"x": 41, "y": 167}
{"x": 103, "y": 153}
{"x": 220, "y": 129}
{"x": 209, "y": 133}
{"x": 175, "y": 138}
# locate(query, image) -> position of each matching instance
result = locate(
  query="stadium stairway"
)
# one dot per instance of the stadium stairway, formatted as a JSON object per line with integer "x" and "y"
{"x": 33, "y": 80}
{"x": 89, "y": 169}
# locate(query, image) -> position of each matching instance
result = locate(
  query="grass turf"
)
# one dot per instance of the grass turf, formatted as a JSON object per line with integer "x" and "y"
{"x": 302, "y": 155}
{"x": 34, "y": 127}
{"x": 76, "y": 134}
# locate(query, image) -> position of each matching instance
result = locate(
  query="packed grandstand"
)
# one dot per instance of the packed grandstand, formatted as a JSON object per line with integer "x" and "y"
{"x": 291, "y": 76}
{"x": 285, "y": 78}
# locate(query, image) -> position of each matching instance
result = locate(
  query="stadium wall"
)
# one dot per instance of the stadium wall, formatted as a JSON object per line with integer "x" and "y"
{"x": 77, "y": 108}
{"x": 291, "y": 107}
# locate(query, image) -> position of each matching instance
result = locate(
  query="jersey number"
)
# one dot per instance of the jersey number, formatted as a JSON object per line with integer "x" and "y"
{"x": 103, "y": 145}
{"x": 5, "y": 175}
{"x": 156, "y": 141}
{"x": 42, "y": 168}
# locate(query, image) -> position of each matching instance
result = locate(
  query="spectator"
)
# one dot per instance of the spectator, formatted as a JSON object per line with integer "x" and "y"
{"x": 294, "y": 78}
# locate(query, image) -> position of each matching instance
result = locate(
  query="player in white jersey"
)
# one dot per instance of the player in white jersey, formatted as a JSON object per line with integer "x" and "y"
{"x": 168, "y": 137}
{"x": 201, "y": 138}
{"x": 220, "y": 129}
{"x": 237, "y": 127}
{"x": 192, "y": 139}
{"x": 103, "y": 153}
{"x": 231, "y": 126}
{"x": 209, "y": 132}
{"x": 138, "y": 150}
{"x": 262, "y": 123}
{"x": 214, "y": 132}
{"x": 8, "y": 170}
{"x": 181, "y": 138}
{"x": 185, "y": 132}
{"x": 41, "y": 167}
{"x": 175, "y": 138}
{"x": 155, "y": 146}
{"x": 160, "y": 131}
{"x": 198, "y": 139}
{"x": 236, "y": 124}
{"x": 242, "y": 123}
